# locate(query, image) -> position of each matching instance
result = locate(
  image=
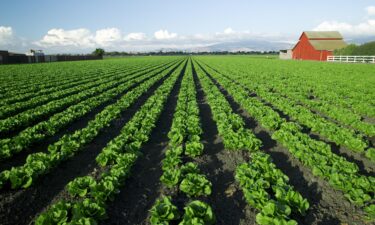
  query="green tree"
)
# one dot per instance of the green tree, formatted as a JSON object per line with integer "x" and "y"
{"x": 98, "y": 52}
{"x": 348, "y": 50}
{"x": 365, "y": 49}
{"x": 352, "y": 49}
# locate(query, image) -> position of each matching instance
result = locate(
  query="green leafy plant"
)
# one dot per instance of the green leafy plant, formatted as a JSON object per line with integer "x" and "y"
{"x": 4, "y": 177}
{"x": 105, "y": 189}
{"x": 106, "y": 157}
{"x": 81, "y": 185}
{"x": 21, "y": 177}
{"x": 291, "y": 198}
{"x": 275, "y": 213}
{"x": 88, "y": 209}
{"x": 198, "y": 212}
{"x": 171, "y": 177}
{"x": 176, "y": 136}
{"x": 370, "y": 210}
{"x": 370, "y": 153}
{"x": 57, "y": 214}
{"x": 189, "y": 167}
{"x": 194, "y": 149}
{"x": 171, "y": 162}
{"x": 84, "y": 221}
{"x": 262, "y": 219}
{"x": 195, "y": 185}
{"x": 163, "y": 211}
{"x": 176, "y": 151}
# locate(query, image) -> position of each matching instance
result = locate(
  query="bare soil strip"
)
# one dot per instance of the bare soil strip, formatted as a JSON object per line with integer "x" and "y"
{"x": 142, "y": 188}
{"x": 219, "y": 165}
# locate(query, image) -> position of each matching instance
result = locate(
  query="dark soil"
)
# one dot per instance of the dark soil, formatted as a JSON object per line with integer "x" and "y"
{"x": 21, "y": 206}
{"x": 20, "y": 158}
{"x": 143, "y": 187}
{"x": 327, "y": 206}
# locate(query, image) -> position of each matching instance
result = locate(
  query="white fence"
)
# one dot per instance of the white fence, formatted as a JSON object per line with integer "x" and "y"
{"x": 351, "y": 59}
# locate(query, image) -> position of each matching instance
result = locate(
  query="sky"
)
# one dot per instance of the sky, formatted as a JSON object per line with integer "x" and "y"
{"x": 79, "y": 26}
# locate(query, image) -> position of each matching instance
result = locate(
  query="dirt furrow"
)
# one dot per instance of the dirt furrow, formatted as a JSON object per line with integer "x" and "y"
{"x": 143, "y": 187}
{"x": 219, "y": 165}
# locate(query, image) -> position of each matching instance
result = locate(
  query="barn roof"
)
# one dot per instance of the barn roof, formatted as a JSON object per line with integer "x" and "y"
{"x": 323, "y": 34}
{"x": 329, "y": 45}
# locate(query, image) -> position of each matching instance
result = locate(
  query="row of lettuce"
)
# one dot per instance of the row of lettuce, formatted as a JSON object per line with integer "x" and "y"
{"x": 24, "y": 99}
{"x": 315, "y": 155}
{"x": 348, "y": 88}
{"x": 40, "y": 163}
{"x": 56, "y": 122}
{"x": 178, "y": 173}
{"x": 31, "y": 79}
{"x": 264, "y": 186}
{"x": 39, "y": 110}
{"x": 90, "y": 196}
{"x": 335, "y": 132}
{"x": 25, "y": 113}
{"x": 63, "y": 85}
{"x": 10, "y": 108}
{"x": 37, "y": 79}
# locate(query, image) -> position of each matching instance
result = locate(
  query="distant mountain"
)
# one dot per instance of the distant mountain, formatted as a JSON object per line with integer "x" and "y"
{"x": 248, "y": 45}
{"x": 360, "y": 40}
{"x": 262, "y": 45}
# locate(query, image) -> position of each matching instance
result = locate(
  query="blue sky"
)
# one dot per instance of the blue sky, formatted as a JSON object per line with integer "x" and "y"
{"x": 150, "y": 24}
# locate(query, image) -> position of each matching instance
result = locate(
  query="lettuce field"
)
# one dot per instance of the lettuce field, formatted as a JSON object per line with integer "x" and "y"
{"x": 187, "y": 140}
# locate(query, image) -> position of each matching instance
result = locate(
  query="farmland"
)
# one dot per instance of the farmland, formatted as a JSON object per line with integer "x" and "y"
{"x": 187, "y": 140}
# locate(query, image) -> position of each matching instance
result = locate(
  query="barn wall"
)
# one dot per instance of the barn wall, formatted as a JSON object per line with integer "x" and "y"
{"x": 305, "y": 51}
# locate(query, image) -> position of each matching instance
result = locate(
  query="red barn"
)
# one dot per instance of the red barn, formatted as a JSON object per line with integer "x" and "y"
{"x": 317, "y": 45}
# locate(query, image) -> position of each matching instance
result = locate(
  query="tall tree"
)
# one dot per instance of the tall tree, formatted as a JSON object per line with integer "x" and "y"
{"x": 98, "y": 52}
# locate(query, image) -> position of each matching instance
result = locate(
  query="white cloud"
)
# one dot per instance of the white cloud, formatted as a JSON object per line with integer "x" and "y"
{"x": 108, "y": 36}
{"x": 10, "y": 41}
{"x": 164, "y": 34}
{"x": 366, "y": 28}
{"x": 6, "y": 35}
{"x": 80, "y": 38}
{"x": 59, "y": 37}
{"x": 362, "y": 29}
{"x": 83, "y": 40}
{"x": 370, "y": 10}
{"x": 135, "y": 37}
{"x": 229, "y": 31}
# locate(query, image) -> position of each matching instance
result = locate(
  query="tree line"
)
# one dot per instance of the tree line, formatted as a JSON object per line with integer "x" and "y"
{"x": 353, "y": 49}
{"x": 102, "y": 52}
